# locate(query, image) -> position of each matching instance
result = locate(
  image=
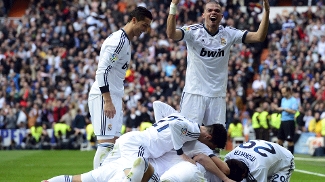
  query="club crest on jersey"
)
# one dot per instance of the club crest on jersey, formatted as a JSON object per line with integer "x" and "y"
{"x": 109, "y": 127}
{"x": 223, "y": 41}
{"x": 184, "y": 131}
{"x": 114, "y": 57}
{"x": 187, "y": 28}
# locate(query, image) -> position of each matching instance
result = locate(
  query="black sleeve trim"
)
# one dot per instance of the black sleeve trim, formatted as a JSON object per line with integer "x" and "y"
{"x": 179, "y": 151}
{"x": 244, "y": 37}
{"x": 182, "y": 34}
{"x": 104, "y": 89}
{"x": 211, "y": 155}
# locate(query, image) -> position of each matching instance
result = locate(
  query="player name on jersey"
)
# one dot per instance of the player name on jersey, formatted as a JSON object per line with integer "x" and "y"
{"x": 246, "y": 155}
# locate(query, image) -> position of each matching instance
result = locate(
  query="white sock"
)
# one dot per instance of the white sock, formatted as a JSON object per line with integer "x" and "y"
{"x": 62, "y": 178}
{"x": 140, "y": 165}
{"x": 103, "y": 149}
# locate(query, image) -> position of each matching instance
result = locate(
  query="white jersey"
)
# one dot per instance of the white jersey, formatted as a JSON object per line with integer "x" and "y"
{"x": 169, "y": 159}
{"x": 263, "y": 159}
{"x": 114, "y": 58}
{"x": 169, "y": 133}
{"x": 162, "y": 110}
{"x": 207, "y": 59}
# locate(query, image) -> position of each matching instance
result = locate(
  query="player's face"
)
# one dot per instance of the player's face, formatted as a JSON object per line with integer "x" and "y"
{"x": 284, "y": 92}
{"x": 212, "y": 14}
{"x": 141, "y": 26}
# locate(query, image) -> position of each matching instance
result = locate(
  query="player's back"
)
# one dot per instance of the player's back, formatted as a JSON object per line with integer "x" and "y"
{"x": 261, "y": 156}
{"x": 159, "y": 138}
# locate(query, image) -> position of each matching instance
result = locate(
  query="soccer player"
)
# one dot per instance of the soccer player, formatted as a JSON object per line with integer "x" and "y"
{"x": 289, "y": 107}
{"x": 259, "y": 160}
{"x": 105, "y": 96}
{"x": 117, "y": 161}
{"x": 141, "y": 170}
{"x": 169, "y": 133}
{"x": 208, "y": 46}
{"x": 169, "y": 166}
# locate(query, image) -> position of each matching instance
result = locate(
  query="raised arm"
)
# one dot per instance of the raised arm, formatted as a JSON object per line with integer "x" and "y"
{"x": 261, "y": 33}
{"x": 172, "y": 32}
{"x": 162, "y": 110}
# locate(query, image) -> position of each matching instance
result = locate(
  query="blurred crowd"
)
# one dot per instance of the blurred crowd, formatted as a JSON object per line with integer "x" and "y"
{"x": 49, "y": 58}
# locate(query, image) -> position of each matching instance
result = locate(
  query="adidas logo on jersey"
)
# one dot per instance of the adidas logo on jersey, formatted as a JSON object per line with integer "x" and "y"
{"x": 207, "y": 53}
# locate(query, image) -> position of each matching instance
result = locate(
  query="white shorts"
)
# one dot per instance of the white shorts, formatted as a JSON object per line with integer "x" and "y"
{"x": 284, "y": 174}
{"x": 165, "y": 162}
{"x": 183, "y": 171}
{"x": 201, "y": 109}
{"x": 128, "y": 149}
{"x": 105, "y": 173}
{"x": 104, "y": 127}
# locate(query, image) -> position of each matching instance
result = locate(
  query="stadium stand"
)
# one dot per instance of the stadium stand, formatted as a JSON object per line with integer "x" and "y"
{"x": 49, "y": 57}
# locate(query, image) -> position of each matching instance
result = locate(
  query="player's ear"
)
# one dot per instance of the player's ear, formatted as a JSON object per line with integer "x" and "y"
{"x": 134, "y": 20}
{"x": 208, "y": 137}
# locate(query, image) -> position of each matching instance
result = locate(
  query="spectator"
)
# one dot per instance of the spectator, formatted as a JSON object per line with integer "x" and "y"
{"x": 11, "y": 119}
{"x": 133, "y": 121}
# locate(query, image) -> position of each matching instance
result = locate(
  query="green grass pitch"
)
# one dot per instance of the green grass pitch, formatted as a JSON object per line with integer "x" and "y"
{"x": 37, "y": 165}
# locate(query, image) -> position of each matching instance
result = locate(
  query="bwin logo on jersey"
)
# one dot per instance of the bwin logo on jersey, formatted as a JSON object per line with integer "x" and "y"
{"x": 114, "y": 57}
{"x": 207, "y": 53}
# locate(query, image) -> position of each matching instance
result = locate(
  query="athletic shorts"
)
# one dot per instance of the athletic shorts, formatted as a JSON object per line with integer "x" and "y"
{"x": 287, "y": 130}
{"x": 165, "y": 162}
{"x": 285, "y": 173}
{"x": 112, "y": 172}
{"x": 203, "y": 110}
{"x": 127, "y": 148}
{"x": 183, "y": 171}
{"x": 104, "y": 127}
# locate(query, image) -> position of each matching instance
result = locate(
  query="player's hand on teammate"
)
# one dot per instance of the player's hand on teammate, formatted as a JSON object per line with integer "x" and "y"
{"x": 266, "y": 5}
{"x": 188, "y": 159}
{"x": 109, "y": 109}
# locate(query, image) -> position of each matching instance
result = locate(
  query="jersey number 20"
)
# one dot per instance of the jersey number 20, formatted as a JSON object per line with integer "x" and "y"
{"x": 258, "y": 149}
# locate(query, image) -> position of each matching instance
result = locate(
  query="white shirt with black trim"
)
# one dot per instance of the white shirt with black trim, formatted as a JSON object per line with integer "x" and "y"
{"x": 115, "y": 55}
{"x": 207, "y": 58}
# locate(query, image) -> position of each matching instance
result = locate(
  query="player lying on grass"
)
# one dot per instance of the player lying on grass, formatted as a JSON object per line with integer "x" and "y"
{"x": 169, "y": 133}
{"x": 169, "y": 166}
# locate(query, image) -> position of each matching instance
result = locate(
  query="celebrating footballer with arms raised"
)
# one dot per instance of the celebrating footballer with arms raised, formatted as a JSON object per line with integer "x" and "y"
{"x": 208, "y": 47}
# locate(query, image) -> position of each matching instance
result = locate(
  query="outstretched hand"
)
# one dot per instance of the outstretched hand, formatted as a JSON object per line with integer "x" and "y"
{"x": 175, "y": 2}
{"x": 266, "y": 5}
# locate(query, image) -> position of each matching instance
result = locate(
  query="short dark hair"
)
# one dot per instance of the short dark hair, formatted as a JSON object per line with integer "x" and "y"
{"x": 212, "y": 2}
{"x": 219, "y": 135}
{"x": 238, "y": 169}
{"x": 140, "y": 13}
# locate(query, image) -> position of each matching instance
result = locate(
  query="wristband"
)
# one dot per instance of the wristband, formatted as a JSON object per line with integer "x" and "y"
{"x": 172, "y": 9}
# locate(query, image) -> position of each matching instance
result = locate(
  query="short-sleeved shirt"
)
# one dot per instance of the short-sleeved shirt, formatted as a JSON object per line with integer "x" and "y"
{"x": 114, "y": 58}
{"x": 263, "y": 159}
{"x": 207, "y": 58}
{"x": 290, "y": 103}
